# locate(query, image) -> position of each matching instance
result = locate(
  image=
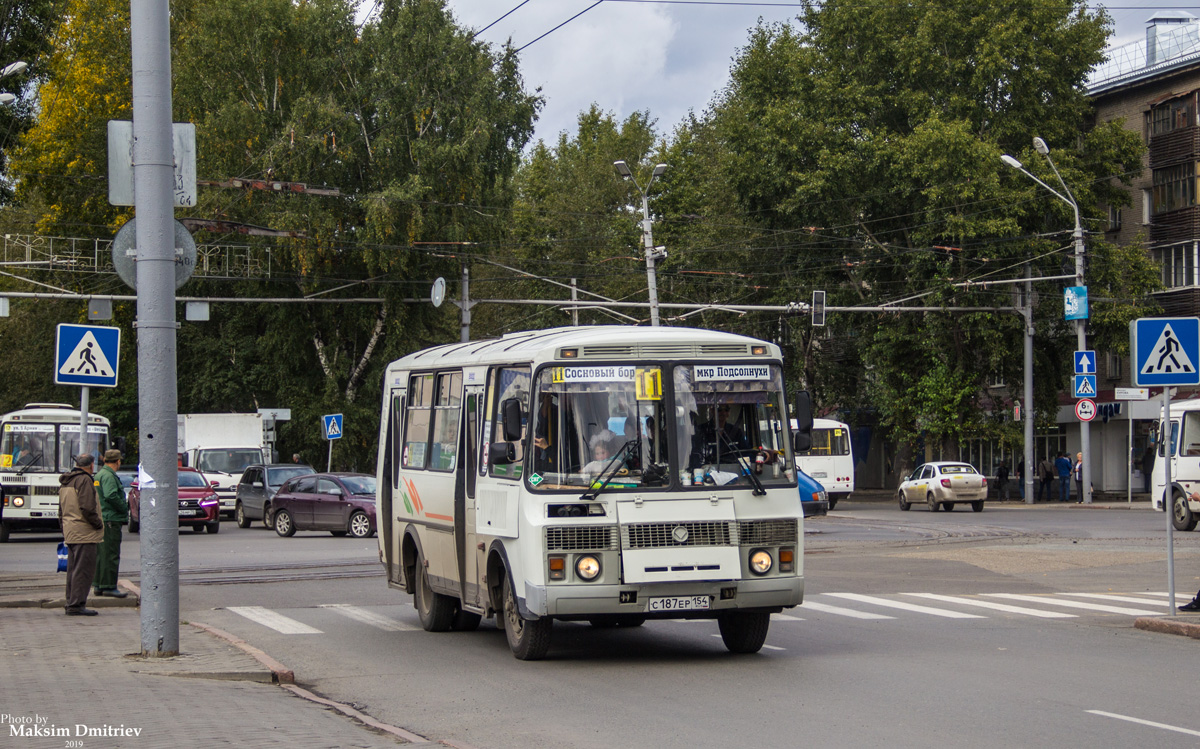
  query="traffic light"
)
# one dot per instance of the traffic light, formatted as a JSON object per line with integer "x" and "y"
{"x": 818, "y": 309}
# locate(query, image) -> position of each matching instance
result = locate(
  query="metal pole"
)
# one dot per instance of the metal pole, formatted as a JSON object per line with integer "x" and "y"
{"x": 1085, "y": 440}
{"x": 574, "y": 298}
{"x": 84, "y": 398}
{"x": 1168, "y": 498}
{"x": 1027, "y": 311}
{"x": 465, "y": 329}
{"x": 329, "y": 460}
{"x": 153, "y": 181}
{"x": 1129, "y": 459}
{"x": 648, "y": 240}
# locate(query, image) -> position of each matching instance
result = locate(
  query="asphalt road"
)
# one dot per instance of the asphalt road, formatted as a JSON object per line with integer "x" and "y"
{"x": 1011, "y": 627}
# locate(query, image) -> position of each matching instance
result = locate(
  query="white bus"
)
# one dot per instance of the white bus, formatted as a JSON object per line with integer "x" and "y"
{"x": 601, "y": 474}
{"x": 1185, "y": 466}
{"x": 37, "y": 444}
{"x": 830, "y": 459}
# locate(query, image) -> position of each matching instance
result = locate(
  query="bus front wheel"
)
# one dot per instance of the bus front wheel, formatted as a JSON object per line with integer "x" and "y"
{"x": 744, "y": 631}
{"x": 1182, "y": 516}
{"x": 435, "y": 610}
{"x": 528, "y": 640}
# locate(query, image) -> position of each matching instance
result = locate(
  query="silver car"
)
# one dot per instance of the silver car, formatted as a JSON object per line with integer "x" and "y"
{"x": 257, "y": 487}
{"x": 942, "y": 484}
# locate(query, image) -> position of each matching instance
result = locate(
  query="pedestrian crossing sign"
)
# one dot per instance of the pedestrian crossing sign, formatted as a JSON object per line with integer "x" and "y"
{"x": 1085, "y": 386}
{"x": 1165, "y": 351}
{"x": 333, "y": 426}
{"x": 87, "y": 355}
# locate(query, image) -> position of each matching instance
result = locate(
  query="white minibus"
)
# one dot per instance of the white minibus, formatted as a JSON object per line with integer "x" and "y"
{"x": 1185, "y": 466}
{"x": 830, "y": 459}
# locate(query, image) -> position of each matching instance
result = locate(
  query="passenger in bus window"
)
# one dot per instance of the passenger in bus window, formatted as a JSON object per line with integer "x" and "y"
{"x": 602, "y": 445}
{"x": 730, "y": 434}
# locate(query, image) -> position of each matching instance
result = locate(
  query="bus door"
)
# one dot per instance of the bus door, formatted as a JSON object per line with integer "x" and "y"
{"x": 469, "y": 557}
{"x": 385, "y": 517}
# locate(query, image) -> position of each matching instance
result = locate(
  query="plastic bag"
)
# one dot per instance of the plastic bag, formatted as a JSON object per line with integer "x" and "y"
{"x": 62, "y": 556}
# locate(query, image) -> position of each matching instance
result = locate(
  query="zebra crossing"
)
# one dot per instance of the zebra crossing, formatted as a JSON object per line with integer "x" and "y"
{"x": 818, "y": 606}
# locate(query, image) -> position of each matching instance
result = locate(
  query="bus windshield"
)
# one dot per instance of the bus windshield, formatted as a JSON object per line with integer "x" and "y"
{"x": 589, "y": 418}
{"x": 35, "y": 448}
{"x": 835, "y": 441}
{"x": 728, "y": 420}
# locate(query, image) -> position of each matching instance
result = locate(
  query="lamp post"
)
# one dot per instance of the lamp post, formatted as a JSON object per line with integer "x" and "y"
{"x": 652, "y": 253}
{"x": 1039, "y": 145}
{"x": 11, "y": 69}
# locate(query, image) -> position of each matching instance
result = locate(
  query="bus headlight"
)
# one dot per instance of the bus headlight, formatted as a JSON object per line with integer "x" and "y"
{"x": 18, "y": 501}
{"x": 587, "y": 567}
{"x": 761, "y": 562}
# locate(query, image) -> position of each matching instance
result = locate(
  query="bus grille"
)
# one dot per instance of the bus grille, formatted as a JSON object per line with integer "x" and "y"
{"x": 767, "y": 532}
{"x": 17, "y": 490}
{"x": 44, "y": 490}
{"x": 580, "y": 538}
{"x": 661, "y": 535}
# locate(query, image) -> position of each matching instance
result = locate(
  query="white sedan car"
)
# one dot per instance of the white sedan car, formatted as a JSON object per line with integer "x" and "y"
{"x": 943, "y": 484}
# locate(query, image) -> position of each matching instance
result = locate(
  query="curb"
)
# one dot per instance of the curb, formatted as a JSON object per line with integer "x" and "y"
{"x": 1169, "y": 626}
{"x": 280, "y": 674}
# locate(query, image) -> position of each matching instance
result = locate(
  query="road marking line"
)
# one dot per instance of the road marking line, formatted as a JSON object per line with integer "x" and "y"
{"x": 1150, "y": 723}
{"x": 765, "y": 647}
{"x": 1164, "y": 594}
{"x": 277, "y": 622}
{"x": 993, "y": 605}
{"x": 838, "y": 610}
{"x": 1073, "y": 604}
{"x": 1116, "y": 598}
{"x": 369, "y": 617}
{"x": 906, "y": 606}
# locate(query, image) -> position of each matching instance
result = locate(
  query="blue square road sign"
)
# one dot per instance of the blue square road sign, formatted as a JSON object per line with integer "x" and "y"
{"x": 86, "y": 355}
{"x": 1085, "y": 386}
{"x": 1085, "y": 362}
{"x": 1165, "y": 351}
{"x": 333, "y": 426}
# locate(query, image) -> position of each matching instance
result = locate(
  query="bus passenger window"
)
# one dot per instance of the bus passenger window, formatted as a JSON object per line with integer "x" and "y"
{"x": 416, "y": 431}
{"x": 447, "y": 411}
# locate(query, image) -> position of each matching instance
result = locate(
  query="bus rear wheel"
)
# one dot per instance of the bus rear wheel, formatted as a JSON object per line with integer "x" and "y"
{"x": 528, "y": 640}
{"x": 1182, "y": 516}
{"x": 744, "y": 631}
{"x": 435, "y": 610}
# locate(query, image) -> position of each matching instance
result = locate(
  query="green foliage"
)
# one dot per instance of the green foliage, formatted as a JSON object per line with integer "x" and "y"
{"x": 25, "y": 37}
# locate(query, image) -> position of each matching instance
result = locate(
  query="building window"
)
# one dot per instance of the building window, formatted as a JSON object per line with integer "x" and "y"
{"x": 1174, "y": 188}
{"x": 1114, "y": 218}
{"x": 1173, "y": 115}
{"x": 1178, "y": 265}
{"x": 1146, "y": 199}
{"x": 1114, "y": 365}
{"x": 995, "y": 380}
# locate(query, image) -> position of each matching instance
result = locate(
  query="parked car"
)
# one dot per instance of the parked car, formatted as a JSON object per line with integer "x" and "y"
{"x": 199, "y": 505}
{"x": 813, "y": 497}
{"x": 340, "y": 503}
{"x": 127, "y": 477}
{"x": 257, "y": 487}
{"x": 942, "y": 484}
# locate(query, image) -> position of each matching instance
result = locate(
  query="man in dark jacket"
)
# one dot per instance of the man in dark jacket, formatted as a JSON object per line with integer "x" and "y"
{"x": 83, "y": 530}
{"x": 115, "y": 512}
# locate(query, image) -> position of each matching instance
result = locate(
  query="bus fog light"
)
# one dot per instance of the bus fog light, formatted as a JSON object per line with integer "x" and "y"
{"x": 587, "y": 567}
{"x": 558, "y": 567}
{"x": 761, "y": 562}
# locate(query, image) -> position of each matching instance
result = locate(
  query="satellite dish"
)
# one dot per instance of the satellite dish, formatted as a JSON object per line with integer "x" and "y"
{"x": 124, "y": 254}
{"x": 439, "y": 292}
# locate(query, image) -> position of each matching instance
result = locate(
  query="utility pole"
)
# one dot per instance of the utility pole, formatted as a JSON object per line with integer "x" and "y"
{"x": 652, "y": 253}
{"x": 154, "y": 179}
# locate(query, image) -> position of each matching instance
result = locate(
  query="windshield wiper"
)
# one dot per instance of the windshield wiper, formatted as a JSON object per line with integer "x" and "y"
{"x": 741, "y": 461}
{"x": 34, "y": 460}
{"x": 609, "y": 469}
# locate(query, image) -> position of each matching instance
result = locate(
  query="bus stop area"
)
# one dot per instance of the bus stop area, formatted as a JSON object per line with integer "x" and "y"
{"x": 84, "y": 676}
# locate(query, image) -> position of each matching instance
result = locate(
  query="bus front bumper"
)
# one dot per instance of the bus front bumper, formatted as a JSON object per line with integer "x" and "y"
{"x": 649, "y": 599}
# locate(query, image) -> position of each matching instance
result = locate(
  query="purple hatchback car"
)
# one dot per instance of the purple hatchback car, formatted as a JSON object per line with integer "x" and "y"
{"x": 340, "y": 503}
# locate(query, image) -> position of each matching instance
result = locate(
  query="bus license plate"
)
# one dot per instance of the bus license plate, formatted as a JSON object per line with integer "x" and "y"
{"x": 677, "y": 603}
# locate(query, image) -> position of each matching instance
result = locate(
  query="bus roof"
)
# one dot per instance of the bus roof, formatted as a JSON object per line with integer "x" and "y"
{"x": 55, "y": 413}
{"x": 607, "y": 342}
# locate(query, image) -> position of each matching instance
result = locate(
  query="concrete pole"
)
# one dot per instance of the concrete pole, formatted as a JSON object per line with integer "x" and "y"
{"x": 153, "y": 190}
{"x": 648, "y": 240}
{"x": 1085, "y": 441}
{"x": 84, "y": 404}
{"x": 1168, "y": 494}
{"x": 574, "y": 298}
{"x": 465, "y": 328}
{"x": 1027, "y": 310}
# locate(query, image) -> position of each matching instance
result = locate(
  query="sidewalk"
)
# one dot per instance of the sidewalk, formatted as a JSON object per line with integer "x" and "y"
{"x": 81, "y": 678}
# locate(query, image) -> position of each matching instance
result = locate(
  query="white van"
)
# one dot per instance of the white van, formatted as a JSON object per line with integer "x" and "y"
{"x": 830, "y": 460}
{"x": 1185, "y": 466}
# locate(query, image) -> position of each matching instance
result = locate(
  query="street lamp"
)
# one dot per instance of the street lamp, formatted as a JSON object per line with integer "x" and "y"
{"x": 652, "y": 253}
{"x": 1039, "y": 145}
{"x": 11, "y": 69}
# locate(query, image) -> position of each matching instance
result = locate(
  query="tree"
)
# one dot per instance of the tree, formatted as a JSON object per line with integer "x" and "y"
{"x": 25, "y": 34}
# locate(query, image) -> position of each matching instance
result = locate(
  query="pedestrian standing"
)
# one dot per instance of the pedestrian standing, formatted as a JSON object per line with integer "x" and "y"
{"x": 1021, "y": 477}
{"x": 1078, "y": 471}
{"x": 1147, "y": 466}
{"x": 114, "y": 510}
{"x": 296, "y": 458}
{"x": 1002, "y": 481}
{"x": 1046, "y": 474}
{"x": 83, "y": 530}
{"x": 1063, "y": 465}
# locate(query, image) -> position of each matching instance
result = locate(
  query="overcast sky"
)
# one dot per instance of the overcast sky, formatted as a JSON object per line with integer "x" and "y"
{"x": 668, "y": 58}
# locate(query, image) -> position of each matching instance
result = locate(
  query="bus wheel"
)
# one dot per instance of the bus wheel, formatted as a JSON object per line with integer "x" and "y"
{"x": 1182, "y": 516}
{"x": 528, "y": 640}
{"x": 435, "y": 610}
{"x": 832, "y": 503}
{"x": 744, "y": 631}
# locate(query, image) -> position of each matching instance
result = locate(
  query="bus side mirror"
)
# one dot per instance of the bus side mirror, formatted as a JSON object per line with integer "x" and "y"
{"x": 802, "y": 436}
{"x": 501, "y": 453}
{"x": 510, "y": 413}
